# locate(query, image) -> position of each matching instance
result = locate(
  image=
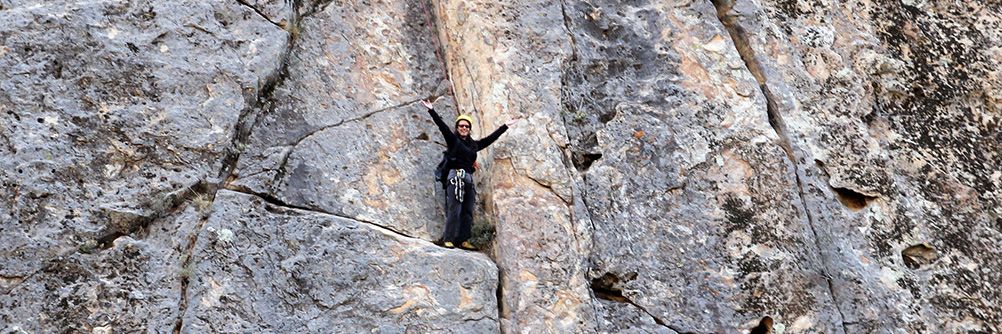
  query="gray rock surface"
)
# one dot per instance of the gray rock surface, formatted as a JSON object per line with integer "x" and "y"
{"x": 131, "y": 287}
{"x": 620, "y": 317}
{"x": 345, "y": 133}
{"x": 264, "y": 268}
{"x": 707, "y": 159}
{"x": 120, "y": 119}
{"x": 110, "y": 105}
{"x": 512, "y": 56}
{"x": 888, "y": 114}
{"x": 684, "y": 167}
{"x": 689, "y": 196}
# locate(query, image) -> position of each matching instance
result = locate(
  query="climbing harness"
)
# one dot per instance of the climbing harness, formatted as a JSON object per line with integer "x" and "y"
{"x": 458, "y": 182}
{"x": 427, "y": 19}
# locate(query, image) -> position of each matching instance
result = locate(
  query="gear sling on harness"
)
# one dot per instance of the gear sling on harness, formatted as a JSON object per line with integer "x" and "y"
{"x": 458, "y": 182}
{"x": 460, "y": 201}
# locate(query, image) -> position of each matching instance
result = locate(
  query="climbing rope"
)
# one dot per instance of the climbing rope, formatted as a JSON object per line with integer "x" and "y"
{"x": 427, "y": 19}
{"x": 458, "y": 182}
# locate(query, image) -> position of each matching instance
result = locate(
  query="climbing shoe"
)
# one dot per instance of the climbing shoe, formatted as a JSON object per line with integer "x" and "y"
{"x": 448, "y": 245}
{"x": 467, "y": 246}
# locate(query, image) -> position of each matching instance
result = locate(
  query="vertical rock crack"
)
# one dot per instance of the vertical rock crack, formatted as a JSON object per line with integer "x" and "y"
{"x": 433, "y": 20}
{"x": 187, "y": 262}
{"x": 257, "y": 104}
{"x": 744, "y": 49}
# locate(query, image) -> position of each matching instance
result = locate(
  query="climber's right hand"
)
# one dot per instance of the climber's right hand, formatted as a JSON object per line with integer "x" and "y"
{"x": 427, "y": 104}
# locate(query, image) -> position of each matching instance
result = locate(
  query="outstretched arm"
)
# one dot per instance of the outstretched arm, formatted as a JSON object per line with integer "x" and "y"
{"x": 487, "y": 141}
{"x": 444, "y": 128}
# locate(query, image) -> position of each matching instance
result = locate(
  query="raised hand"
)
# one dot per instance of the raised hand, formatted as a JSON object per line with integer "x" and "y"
{"x": 427, "y": 104}
{"x": 511, "y": 121}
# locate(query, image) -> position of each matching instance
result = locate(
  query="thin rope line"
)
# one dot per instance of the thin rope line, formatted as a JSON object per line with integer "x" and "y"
{"x": 427, "y": 19}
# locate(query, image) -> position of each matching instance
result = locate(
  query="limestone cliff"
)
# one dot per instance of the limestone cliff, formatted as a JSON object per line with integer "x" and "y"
{"x": 680, "y": 167}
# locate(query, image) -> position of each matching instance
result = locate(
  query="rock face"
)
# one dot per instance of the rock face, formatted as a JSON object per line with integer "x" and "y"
{"x": 687, "y": 167}
{"x": 261, "y": 267}
{"x": 341, "y": 133}
{"x": 110, "y": 103}
{"x": 887, "y": 109}
{"x": 112, "y": 111}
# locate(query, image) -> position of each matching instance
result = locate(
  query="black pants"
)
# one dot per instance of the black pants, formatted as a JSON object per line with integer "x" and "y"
{"x": 459, "y": 215}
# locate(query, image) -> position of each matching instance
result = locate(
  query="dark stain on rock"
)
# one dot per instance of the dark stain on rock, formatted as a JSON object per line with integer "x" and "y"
{"x": 909, "y": 284}
{"x": 890, "y": 231}
{"x": 752, "y": 263}
{"x": 947, "y": 63}
{"x": 740, "y": 218}
{"x": 65, "y": 272}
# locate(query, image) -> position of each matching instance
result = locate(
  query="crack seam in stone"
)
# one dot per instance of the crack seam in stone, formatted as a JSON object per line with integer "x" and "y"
{"x": 744, "y": 50}
{"x": 292, "y": 147}
{"x": 170, "y": 202}
{"x": 351, "y": 120}
{"x": 246, "y": 121}
{"x": 262, "y": 171}
{"x": 347, "y": 41}
{"x": 452, "y": 89}
{"x": 476, "y": 93}
{"x": 188, "y": 260}
{"x": 248, "y": 118}
{"x": 656, "y": 319}
{"x": 277, "y": 202}
{"x": 584, "y": 177}
{"x": 539, "y": 183}
{"x": 21, "y": 279}
{"x": 567, "y": 28}
{"x": 259, "y": 13}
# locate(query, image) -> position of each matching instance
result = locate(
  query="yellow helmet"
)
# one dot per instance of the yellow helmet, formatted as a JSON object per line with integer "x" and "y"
{"x": 464, "y": 118}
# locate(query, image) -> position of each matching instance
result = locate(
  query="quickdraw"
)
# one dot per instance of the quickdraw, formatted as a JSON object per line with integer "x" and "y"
{"x": 458, "y": 182}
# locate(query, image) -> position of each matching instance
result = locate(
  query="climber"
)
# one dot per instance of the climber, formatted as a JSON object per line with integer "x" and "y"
{"x": 460, "y": 194}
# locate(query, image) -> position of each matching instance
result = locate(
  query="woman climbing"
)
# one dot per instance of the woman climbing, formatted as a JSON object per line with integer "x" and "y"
{"x": 461, "y": 194}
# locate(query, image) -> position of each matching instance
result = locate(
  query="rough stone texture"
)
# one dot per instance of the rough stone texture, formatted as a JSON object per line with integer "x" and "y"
{"x": 689, "y": 166}
{"x": 118, "y": 118}
{"x": 703, "y": 194}
{"x": 131, "y": 287}
{"x": 265, "y": 268}
{"x": 108, "y": 107}
{"x": 107, "y": 104}
{"x": 618, "y": 317}
{"x": 892, "y": 109}
{"x": 345, "y": 134}
{"x": 280, "y": 12}
{"x": 688, "y": 191}
{"x": 506, "y": 60}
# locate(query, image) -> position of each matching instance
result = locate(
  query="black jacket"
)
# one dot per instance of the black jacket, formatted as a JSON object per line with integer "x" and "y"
{"x": 463, "y": 153}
